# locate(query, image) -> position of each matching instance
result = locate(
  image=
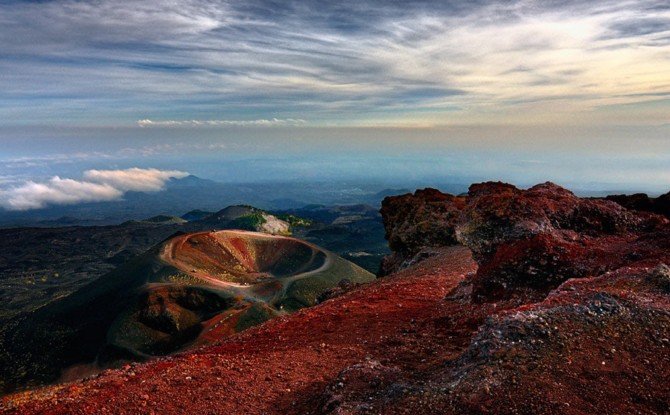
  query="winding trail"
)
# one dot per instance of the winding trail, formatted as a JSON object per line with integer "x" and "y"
{"x": 172, "y": 255}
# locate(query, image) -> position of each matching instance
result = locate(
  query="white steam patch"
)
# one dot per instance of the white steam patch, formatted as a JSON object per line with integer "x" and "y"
{"x": 97, "y": 186}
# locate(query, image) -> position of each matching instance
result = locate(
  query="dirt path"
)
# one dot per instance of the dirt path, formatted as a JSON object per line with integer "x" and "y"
{"x": 170, "y": 255}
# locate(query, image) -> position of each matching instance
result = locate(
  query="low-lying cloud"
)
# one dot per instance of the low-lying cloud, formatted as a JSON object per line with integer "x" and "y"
{"x": 135, "y": 179}
{"x": 96, "y": 186}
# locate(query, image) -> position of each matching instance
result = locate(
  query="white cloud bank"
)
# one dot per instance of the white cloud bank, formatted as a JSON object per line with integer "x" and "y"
{"x": 97, "y": 186}
{"x": 137, "y": 180}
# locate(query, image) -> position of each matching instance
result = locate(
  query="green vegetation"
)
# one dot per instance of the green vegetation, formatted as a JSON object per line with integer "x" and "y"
{"x": 295, "y": 221}
{"x": 250, "y": 222}
{"x": 304, "y": 292}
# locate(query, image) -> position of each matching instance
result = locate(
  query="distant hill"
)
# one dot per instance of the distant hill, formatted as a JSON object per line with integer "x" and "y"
{"x": 164, "y": 219}
{"x": 194, "y": 194}
{"x": 231, "y": 213}
{"x": 196, "y": 214}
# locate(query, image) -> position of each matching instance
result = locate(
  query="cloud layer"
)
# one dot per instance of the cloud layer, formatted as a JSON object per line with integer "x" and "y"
{"x": 214, "y": 123}
{"x": 342, "y": 62}
{"x": 96, "y": 186}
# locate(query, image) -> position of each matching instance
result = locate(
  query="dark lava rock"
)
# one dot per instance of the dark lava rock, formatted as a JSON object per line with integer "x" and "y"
{"x": 637, "y": 201}
{"x": 577, "y": 342}
{"x": 660, "y": 277}
{"x": 643, "y": 203}
{"x": 417, "y": 221}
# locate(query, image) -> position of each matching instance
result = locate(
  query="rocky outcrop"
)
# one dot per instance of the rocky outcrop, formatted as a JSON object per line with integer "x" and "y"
{"x": 551, "y": 343}
{"x": 527, "y": 242}
{"x": 643, "y": 203}
{"x": 596, "y": 345}
{"x": 415, "y": 223}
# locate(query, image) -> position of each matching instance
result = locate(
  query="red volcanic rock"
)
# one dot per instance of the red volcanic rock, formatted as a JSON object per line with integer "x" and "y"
{"x": 529, "y": 241}
{"x": 498, "y": 212}
{"x": 613, "y": 330}
{"x": 597, "y": 345}
{"x": 417, "y": 222}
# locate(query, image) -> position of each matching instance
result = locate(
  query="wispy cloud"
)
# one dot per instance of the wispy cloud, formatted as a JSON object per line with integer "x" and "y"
{"x": 168, "y": 148}
{"x": 214, "y": 123}
{"x": 96, "y": 186}
{"x": 336, "y": 62}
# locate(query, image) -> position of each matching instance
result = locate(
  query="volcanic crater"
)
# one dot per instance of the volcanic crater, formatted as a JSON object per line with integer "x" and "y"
{"x": 243, "y": 258}
{"x": 191, "y": 290}
{"x": 225, "y": 282}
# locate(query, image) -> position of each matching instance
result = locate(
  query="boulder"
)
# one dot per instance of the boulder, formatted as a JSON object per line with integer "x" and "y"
{"x": 416, "y": 222}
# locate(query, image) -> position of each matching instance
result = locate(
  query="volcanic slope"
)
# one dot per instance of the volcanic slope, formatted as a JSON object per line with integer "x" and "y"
{"x": 187, "y": 291}
{"x": 433, "y": 339}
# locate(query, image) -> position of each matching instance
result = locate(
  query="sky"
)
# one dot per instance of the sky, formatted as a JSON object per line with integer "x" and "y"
{"x": 525, "y": 91}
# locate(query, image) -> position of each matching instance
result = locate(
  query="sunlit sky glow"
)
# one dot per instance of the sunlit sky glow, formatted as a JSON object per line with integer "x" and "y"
{"x": 569, "y": 90}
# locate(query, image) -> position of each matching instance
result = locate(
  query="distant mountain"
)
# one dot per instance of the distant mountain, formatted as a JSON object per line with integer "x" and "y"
{"x": 195, "y": 194}
{"x": 190, "y": 181}
{"x": 196, "y": 214}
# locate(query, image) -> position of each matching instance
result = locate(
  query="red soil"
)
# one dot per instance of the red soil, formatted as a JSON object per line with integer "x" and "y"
{"x": 282, "y": 366}
{"x": 414, "y": 343}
